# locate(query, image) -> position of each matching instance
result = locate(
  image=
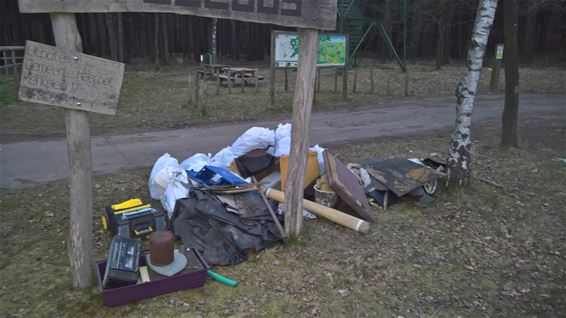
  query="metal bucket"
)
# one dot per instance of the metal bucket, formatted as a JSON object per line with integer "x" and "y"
{"x": 326, "y": 198}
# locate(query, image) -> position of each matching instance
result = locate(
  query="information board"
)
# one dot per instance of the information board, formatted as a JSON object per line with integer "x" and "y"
{"x": 69, "y": 79}
{"x": 499, "y": 52}
{"x": 331, "y": 49}
{"x": 316, "y": 14}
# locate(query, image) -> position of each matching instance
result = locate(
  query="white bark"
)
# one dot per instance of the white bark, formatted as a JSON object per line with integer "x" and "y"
{"x": 213, "y": 35}
{"x": 459, "y": 155}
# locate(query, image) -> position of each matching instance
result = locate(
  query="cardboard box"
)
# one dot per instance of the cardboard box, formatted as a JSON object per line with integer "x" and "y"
{"x": 193, "y": 276}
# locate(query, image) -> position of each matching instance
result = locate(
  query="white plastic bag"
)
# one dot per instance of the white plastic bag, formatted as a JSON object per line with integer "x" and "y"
{"x": 320, "y": 158}
{"x": 223, "y": 158}
{"x": 176, "y": 184}
{"x": 196, "y": 162}
{"x": 282, "y": 140}
{"x": 163, "y": 162}
{"x": 254, "y": 138}
{"x": 168, "y": 182}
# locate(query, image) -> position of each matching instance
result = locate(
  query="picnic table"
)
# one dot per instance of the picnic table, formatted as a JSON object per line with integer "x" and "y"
{"x": 211, "y": 70}
{"x": 240, "y": 74}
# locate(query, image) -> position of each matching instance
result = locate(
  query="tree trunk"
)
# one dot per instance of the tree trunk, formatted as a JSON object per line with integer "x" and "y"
{"x": 459, "y": 160}
{"x": 112, "y": 39}
{"x": 213, "y": 33}
{"x": 156, "y": 38}
{"x": 165, "y": 39}
{"x": 440, "y": 45}
{"x": 511, "y": 110}
{"x": 120, "y": 23}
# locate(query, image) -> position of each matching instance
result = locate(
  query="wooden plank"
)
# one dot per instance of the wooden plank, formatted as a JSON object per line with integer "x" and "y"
{"x": 62, "y": 77}
{"x": 80, "y": 162}
{"x": 331, "y": 214}
{"x": 347, "y": 186}
{"x": 302, "y": 106}
{"x": 319, "y": 14}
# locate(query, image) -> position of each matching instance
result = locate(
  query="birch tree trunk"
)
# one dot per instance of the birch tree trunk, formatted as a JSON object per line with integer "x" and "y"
{"x": 213, "y": 34}
{"x": 459, "y": 161}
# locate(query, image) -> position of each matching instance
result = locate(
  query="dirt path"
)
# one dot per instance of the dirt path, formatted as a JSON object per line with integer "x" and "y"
{"x": 34, "y": 162}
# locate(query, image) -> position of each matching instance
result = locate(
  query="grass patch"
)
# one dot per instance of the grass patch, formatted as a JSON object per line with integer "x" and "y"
{"x": 8, "y": 93}
{"x": 481, "y": 255}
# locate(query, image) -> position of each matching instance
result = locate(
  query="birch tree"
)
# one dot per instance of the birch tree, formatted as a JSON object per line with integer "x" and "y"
{"x": 459, "y": 160}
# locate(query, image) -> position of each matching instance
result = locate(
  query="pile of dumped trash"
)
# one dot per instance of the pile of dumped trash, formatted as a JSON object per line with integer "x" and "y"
{"x": 226, "y": 203}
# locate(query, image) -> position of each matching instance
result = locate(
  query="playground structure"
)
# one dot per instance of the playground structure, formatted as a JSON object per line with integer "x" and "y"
{"x": 359, "y": 27}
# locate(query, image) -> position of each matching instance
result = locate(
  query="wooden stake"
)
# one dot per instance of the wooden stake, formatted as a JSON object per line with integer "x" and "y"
{"x": 197, "y": 88}
{"x": 242, "y": 81}
{"x": 80, "y": 162}
{"x": 371, "y": 81}
{"x": 286, "y": 80}
{"x": 217, "y": 84}
{"x": 345, "y": 82}
{"x": 355, "y": 85}
{"x": 335, "y": 80}
{"x": 16, "y": 75}
{"x": 229, "y": 81}
{"x": 256, "y": 79}
{"x": 318, "y": 79}
{"x": 302, "y": 106}
{"x": 406, "y": 84}
{"x": 272, "y": 83}
{"x": 191, "y": 89}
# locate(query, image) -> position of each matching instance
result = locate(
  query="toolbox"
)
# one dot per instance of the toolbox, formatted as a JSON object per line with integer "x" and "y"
{"x": 133, "y": 219}
{"x": 193, "y": 276}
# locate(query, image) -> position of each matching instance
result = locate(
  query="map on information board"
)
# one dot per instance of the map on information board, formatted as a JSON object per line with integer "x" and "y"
{"x": 331, "y": 49}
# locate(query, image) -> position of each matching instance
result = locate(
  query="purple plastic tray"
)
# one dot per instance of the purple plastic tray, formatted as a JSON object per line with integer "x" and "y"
{"x": 191, "y": 277}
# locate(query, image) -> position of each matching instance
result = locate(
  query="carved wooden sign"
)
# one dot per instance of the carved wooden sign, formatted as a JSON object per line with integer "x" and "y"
{"x": 73, "y": 80}
{"x": 317, "y": 14}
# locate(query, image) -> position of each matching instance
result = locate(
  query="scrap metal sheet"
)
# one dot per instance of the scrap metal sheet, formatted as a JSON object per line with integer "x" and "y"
{"x": 400, "y": 175}
{"x": 347, "y": 186}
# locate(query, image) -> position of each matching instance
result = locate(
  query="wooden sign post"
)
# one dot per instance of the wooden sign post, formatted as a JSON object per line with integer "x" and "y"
{"x": 302, "y": 106}
{"x": 61, "y": 76}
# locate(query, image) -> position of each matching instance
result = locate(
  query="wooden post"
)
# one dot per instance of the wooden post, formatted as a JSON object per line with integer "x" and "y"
{"x": 191, "y": 89}
{"x": 302, "y": 106}
{"x": 5, "y": 59}
{"x": 256, "y": 79}
{"x": 286, "y": 80}
{"x": 272, "y": 83}
{"x": 336, "y": 80}
{"x": 371, "y": 81}
{"x": 318, "y": 79}
{"x": 203, "y": 98}
{"x": 242, "y": 81}
{"x": 355, "y": 84}
{"x": 197, "y": 88}
{"x": 229, "y": 75}
{"x": 345, "y": 82}
{"x": 16, "y": 77}
{"x": 406, "y": 84}
{"x": 80, "y": 162}
{"x": 217, "y": 84}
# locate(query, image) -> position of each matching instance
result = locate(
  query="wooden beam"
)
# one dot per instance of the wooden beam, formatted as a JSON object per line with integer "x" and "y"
{"x": 302, "y": 106}
{"x": 320, "y": 14}
{"x": 80, "y": 162}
